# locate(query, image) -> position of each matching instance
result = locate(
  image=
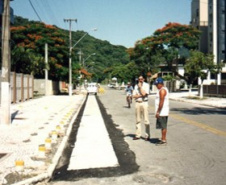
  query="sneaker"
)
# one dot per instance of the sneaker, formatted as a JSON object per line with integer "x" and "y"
{"x": 161, "y": 143}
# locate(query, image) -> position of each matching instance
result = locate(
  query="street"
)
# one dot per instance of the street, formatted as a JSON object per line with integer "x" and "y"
{"x": 195, "y": 153}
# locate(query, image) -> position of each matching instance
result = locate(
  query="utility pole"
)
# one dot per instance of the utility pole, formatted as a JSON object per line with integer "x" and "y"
{"x": 5, "y": 76}
{"x": 70, "y": 50}
{"x": 46, "y": 69}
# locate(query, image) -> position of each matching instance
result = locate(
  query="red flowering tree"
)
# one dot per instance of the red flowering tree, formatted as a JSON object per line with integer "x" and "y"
{"x": 163, "y": 46}
{"x": 176, "y": 35}
{"x": 28, "y": 50}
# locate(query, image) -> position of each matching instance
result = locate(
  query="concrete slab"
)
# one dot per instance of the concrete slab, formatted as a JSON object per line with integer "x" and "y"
{"x": 93, "y": 147}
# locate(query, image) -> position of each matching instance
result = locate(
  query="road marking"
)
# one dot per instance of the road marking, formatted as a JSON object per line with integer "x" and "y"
{"x": 200, "y": 125}
{"x": 197, "y": 124}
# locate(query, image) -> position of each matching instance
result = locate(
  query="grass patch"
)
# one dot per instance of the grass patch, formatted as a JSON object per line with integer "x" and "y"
{"x": 196, "y": 98}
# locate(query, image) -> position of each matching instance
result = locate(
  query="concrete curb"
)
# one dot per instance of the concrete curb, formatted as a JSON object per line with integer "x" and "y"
{"x": 199, "y": 103}
{"x": 56, "y": 157}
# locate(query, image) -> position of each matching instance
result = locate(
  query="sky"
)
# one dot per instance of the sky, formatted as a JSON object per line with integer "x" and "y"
{"x": 121, "y": 22}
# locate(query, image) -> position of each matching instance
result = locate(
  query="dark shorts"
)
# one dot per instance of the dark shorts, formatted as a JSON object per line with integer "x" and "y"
{"x": 161, "y": 122}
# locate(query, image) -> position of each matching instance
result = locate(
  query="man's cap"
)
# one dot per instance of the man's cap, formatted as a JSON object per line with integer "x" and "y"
{"x": 158, "y": 81}
{"x": 128, "y": 83}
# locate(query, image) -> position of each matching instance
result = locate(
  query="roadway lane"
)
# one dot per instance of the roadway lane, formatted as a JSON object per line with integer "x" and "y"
{"x": 196, "y": 150}
{"x": 195, "y": 153}
{"x": 208, "y": 118}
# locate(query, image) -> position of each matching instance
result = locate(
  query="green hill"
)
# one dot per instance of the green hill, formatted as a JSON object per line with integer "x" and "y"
{"x": 28, "y": 40}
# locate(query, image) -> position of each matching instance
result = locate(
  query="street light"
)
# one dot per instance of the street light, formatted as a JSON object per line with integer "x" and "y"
{"x": 83, "y": 62}
{"x": 70, "y": 70}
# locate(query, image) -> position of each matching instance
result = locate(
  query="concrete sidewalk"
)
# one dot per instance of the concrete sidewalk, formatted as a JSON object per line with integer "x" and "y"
{"x": 194, "y": 98}
{"x": 36, "y": 123}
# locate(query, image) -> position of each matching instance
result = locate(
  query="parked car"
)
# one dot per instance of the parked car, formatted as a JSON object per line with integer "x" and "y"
{"x": 92, "y": 88}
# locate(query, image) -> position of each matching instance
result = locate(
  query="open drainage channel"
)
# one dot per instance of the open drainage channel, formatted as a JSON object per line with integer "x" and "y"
{"x": 126, "y": 157}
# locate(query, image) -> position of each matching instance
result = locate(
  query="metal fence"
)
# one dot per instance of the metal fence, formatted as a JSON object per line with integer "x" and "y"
{"x": 171, "y": 85}
{"x": 22, "y": 87}
{"x": 214, "y": 90}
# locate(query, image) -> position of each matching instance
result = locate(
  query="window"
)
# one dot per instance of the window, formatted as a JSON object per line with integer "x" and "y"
{"x": 212, "y": 76}
{"x": 211, "y": 37}
{"x": 211, "y": 18}
{"x": 197, "y": 13}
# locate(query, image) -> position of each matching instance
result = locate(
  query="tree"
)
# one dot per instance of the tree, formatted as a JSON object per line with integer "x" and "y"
{"x": 173, "y": 38}
{"x": 125, "y": 73}
{"x": 175, "y": 35}
{"x": 198, "y": 65}
{"x": 145, "y": 59}
{"x": 164, "y": 46}
{"x": 29, "y": 40}
{"x": 27, "y": 61}
{"x": 31, "y": 36}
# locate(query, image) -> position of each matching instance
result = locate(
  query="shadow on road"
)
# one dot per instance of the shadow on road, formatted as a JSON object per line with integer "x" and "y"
{"x": 152, "y": 140}
{"x": 199, "y": 111}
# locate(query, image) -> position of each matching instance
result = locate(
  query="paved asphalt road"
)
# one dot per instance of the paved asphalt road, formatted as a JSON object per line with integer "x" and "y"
{"x": 194, "y": 155}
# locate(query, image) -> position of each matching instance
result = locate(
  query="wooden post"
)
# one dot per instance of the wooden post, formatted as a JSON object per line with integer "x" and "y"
{"x": 22, "y": 87}
{"x": 14, "y": 87}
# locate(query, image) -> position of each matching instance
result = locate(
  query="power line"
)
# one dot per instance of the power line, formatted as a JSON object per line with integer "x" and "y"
{"x": 49, "y": 11}
{"x": 39, "y": 8}
{"x": 35, "y": 10}
{"x": 43, "y": 8}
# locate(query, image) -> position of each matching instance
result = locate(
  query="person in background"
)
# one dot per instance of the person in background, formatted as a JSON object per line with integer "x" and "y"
{"x": 161, "y": 109}
{"x": 140, "y": 94}
{"x": 129, "y": 92}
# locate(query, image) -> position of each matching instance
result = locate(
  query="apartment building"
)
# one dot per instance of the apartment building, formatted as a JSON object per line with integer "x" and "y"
{"x": 217, "y": 35}
{"x": 209, "y": 16}
{"x": 199, "y": 20}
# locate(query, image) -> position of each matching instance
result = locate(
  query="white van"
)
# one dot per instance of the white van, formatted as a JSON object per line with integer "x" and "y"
{"x": 92, "y": 88}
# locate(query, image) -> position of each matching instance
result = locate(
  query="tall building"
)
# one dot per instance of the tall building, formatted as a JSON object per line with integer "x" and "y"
{"x": 217, "y": 35}
{"x": 199, "y": 20}
{"x": 209, "y": 16}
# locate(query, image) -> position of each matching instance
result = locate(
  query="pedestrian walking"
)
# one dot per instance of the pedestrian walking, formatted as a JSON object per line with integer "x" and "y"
{"x": 161, "y": 109}
{"x": 140, "y": 94}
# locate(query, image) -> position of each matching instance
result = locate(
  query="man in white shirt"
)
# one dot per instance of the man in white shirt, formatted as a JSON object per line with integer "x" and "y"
{"x": 161, "y": 109}
{"x": 140, "y": 94}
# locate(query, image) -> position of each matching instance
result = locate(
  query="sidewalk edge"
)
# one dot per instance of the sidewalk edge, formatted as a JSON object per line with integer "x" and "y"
{"x": 198, "y": 103}
{"x": 56, "y": 157}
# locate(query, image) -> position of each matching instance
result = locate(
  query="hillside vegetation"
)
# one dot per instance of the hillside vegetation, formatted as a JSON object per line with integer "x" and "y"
{"x": 99, "y": 60}
{"x": 28, "y": 40}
